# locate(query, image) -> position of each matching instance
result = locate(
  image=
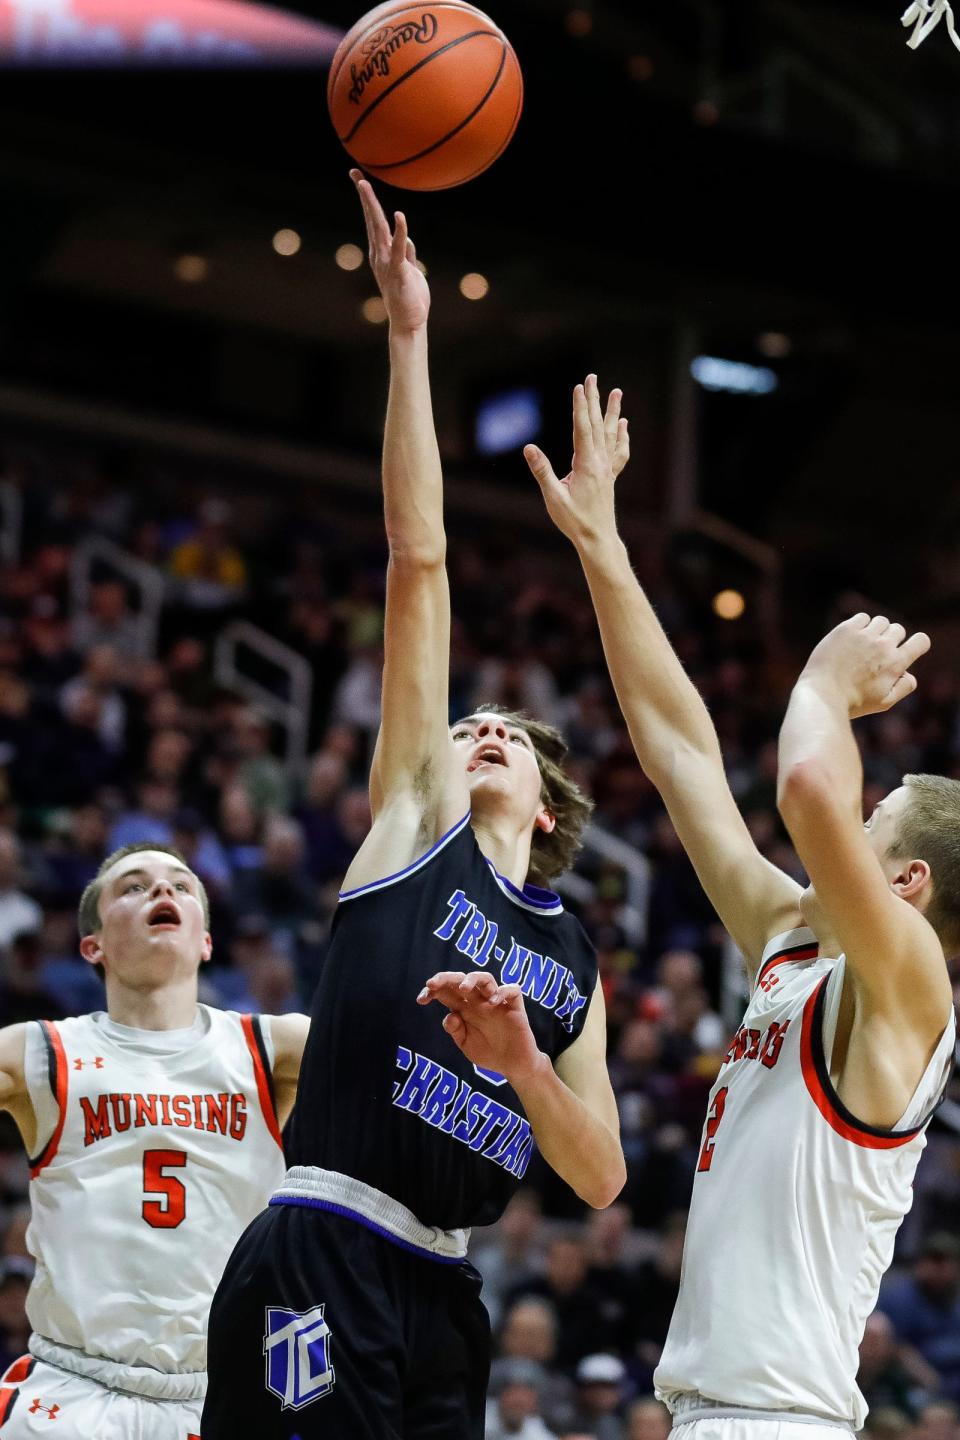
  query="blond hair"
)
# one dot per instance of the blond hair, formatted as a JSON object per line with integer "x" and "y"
{"x": 929, "y": 829}
{"x": 550, "y": 855}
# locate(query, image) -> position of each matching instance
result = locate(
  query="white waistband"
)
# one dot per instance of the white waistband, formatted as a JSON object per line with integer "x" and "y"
{"x": 129, "y": 1379}
{"x": 327, "y": 1190}
{"x": 691, "y": 1406}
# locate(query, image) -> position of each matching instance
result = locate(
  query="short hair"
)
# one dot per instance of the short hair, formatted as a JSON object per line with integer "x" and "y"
{"x": 929, "y": 829}
{"x": 88, "y": 915}
{"x": 550, "y": 855}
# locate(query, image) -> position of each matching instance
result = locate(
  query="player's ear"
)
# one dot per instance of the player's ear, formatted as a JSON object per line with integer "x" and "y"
{"x": 545, "y": 821}
{"x": 91, "y": 949}
{"x": 207, "y": 949}
{"x": 911, "y": 880}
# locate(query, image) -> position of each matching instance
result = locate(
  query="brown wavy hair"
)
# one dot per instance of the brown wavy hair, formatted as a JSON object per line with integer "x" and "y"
{"x": 550, "y": 855}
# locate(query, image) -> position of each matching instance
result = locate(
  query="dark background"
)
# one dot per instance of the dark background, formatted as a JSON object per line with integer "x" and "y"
{"x": 685, "y": 178}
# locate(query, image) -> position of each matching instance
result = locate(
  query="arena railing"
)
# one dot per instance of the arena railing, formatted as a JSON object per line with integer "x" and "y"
{"x": 96, "y": 552}
{"x": 291, "y": 713}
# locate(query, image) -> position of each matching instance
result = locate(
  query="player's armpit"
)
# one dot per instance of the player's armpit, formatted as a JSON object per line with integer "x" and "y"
{"x": 754, "y": 900}
{"x": 892, "y": 952}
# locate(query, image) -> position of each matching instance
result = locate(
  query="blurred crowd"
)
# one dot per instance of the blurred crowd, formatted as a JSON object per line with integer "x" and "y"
{"x": 114, "y": 731}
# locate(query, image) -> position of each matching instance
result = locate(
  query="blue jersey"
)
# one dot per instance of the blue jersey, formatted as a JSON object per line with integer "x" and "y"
{"x": 385, "y": 1095}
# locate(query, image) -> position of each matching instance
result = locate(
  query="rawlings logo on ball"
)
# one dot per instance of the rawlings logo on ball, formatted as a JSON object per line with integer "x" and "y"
{"x": 382, "y": 46}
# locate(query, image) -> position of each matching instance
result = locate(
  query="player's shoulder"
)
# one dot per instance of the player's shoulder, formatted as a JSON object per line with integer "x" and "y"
{"x": 799, "y": 944}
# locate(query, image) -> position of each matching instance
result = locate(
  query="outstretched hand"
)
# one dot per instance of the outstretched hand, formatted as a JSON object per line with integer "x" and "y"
{"x": 868, "y": 661}
{"x": 393, "y": 260}
{"x": 487, "y": 1022}
{"x": 581, "y": 505}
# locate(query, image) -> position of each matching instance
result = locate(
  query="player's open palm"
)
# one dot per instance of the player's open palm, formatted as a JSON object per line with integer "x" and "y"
{"x": 487, "y": 1021}
{"x": 868, "y": 660}
{"x": 581, "y": 505}
{"x": 393, "y": 260}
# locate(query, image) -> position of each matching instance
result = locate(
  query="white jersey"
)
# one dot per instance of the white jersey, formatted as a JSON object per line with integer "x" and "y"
{"x": 795, "y": 1207}
{"x": 155, "y": 1150}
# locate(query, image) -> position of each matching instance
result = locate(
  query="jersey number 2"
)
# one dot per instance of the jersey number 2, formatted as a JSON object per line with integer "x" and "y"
{"x": 165, "y": 1214}
{"x": 713, "y": 1125}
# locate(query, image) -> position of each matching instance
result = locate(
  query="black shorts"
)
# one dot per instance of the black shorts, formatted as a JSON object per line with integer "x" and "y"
{"x": 322, "y": 1328}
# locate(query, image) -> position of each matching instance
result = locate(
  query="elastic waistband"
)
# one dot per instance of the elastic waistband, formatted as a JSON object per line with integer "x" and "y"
{"x": 693, "y": 1406}
{"x": 316, "y": 1189}
{"x": 128, "y": 1379}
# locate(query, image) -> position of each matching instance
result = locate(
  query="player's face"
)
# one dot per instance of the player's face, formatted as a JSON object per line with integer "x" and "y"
{"x": 152, "y": 925}
{"x": 500, "y": 764}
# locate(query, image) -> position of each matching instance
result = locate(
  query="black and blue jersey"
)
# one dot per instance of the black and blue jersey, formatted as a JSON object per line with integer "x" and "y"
{"x": 385, "y": 1096}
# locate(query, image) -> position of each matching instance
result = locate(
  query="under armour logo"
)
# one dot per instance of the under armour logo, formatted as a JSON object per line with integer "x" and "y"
{"x": 297, "y": 1347}
{"x": 97, "y": 1063}
{"x": 768, "y": 982}
{"x": 51, "y": 1411}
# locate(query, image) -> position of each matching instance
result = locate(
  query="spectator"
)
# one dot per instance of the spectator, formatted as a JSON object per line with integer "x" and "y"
{"x": 656, "y": 1285}
{"x": 514, "y": 1403}
{"x": 108, "y": 620}
{"x": 601, "y": 1388}
{"x": 892, "y": 1376}
{"x": 937, "y": 1421}
{"x": 260, "y": 773}
{"x": 150, "y": 821}
{"x": 24, "y": 994}
{"x": 278, "y": 888}
{"x": 509, "y": 1254}
{"x": 578, "y": 1306}
{"x": 924, "y": 1308}
{"x": 15, "y": 1277}
{"x": 211, "y": 570}
{"x": 18, "y": 912}
{"x": 100, "y": 678}
{"x": 530, "y": 1331}
{"x": 648, "y": 1419}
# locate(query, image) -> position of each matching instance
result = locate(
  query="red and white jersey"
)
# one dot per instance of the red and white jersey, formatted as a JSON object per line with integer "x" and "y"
{"x": 795, "y": 1206}
{"x": 155, "y": 1150}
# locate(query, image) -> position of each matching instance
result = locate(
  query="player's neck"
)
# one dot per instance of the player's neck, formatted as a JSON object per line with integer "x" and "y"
{"x": 508, "y": 852}
{"x": 172, "y": 1008}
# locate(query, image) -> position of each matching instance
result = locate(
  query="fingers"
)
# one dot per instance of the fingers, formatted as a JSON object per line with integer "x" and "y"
{"x": 444, "y": 983}
{"x": 540, "y": 466}
{"x": 621, "y": 451}
{"x": 480, "y": 986}
{"x": 582, "y": 428}
{"x": 592, "y": 391}
{"x": 904, "y": 686}
{"x": 611, "y": 420}
{"x": 913, "y": 648}
{"x": 378, "y": 231}
{"x": 401, "y": 238}
{"x": 455, "y": 1027}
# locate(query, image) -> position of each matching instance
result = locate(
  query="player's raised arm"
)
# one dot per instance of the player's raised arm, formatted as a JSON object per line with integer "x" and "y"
{"x": 409, "y": 775}
{"x": 669, "y": 725}
{"x": 873, "y": 896}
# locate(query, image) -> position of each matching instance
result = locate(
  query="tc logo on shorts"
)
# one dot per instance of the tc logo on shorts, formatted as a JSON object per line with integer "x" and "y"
{"x": 297, "y": 1347}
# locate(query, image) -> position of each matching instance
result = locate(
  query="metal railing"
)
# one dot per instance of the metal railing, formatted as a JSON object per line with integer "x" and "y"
{"x": 150, "y": 583}
{"x": 11, "y": 522}
{"x": 291, "y": 712}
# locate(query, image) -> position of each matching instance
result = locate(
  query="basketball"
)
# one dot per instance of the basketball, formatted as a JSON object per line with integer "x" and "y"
{"x": 425, "y": 96}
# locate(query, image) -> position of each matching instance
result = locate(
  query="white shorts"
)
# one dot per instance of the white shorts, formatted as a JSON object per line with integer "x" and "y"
{"x": 85, "y": 1410}
{"x": 746, "y": 1428}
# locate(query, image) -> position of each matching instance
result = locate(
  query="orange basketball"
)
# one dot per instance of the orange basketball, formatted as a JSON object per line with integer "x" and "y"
{"x": 425, "y": 96}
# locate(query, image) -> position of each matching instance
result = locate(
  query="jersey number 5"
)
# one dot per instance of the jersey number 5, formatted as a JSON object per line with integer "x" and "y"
{"x": 713, "y": 1125}
{"x": 165, "y": 1214}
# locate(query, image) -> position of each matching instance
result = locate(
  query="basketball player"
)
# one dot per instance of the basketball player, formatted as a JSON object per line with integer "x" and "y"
{"x": 817, "y": 1119}
{"x": 155, "y": 1132}
{"x": 348, "y": 1309}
